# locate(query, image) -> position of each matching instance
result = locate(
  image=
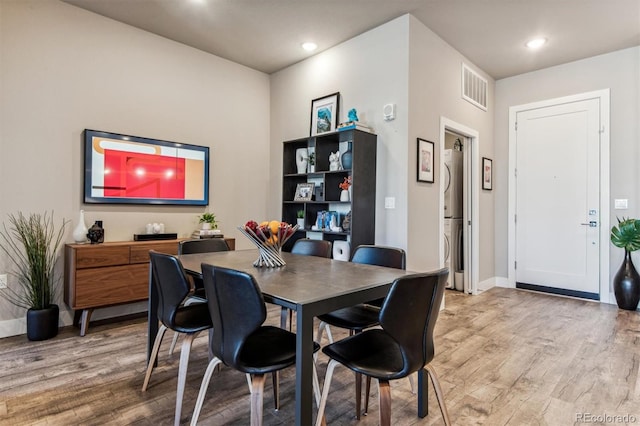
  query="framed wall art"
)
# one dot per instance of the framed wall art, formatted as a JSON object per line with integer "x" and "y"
{"x": 487, "y": 173}
{"x": 425, "y": 161}
{"x": 125, "y": 169}
{"x": 324, "y": 114}
{"x": 304, "y": 192}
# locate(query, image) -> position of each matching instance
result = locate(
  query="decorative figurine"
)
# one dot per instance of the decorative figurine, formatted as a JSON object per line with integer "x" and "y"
{"x": 334, "y": 161}
{"x": 353, "y": 115}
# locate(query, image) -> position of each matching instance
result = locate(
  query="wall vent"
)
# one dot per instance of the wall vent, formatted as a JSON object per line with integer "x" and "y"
{"x": 474, "y": 88}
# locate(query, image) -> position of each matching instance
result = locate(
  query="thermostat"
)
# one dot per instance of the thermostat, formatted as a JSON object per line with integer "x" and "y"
{"x": 389, "y": 112}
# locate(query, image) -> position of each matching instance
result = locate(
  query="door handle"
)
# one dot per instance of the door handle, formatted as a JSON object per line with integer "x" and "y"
{"x": 592, "y": 224}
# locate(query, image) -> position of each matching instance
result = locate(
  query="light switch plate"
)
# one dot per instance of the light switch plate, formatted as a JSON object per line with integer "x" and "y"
{"x": 389, "y": 203}
{"x": 621, "y": 203}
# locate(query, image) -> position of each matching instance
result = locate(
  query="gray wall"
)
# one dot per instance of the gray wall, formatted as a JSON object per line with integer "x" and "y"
{"x": 65, "y": 69}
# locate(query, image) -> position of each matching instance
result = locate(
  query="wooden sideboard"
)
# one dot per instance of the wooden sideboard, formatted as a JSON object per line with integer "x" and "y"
{"x": 101, "y": 275}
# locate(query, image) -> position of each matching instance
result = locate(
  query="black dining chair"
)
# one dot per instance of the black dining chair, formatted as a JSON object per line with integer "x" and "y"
{"x": 204, "y": 245}
{"x": 401, "y": 347}
{"x": 173, "y": 287}
{"x": 305, "y": 247}
{"x": 360, "y": 317}
{"x": 241, "y": 340}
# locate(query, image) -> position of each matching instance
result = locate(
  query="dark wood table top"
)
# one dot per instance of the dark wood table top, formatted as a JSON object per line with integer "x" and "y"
{"x": 304, "y": 280}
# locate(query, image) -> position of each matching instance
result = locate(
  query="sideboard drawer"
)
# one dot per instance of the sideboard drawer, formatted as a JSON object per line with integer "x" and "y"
{"x": 140, "y": 253}
{"x": 93, "y": 257}
{"x": 111, "y": 285}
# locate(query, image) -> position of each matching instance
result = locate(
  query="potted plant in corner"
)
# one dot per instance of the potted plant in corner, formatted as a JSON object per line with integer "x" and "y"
{"x": 208, "y": 221}
{"x": 626, "y": 283}
{"x": 31, "y": 244}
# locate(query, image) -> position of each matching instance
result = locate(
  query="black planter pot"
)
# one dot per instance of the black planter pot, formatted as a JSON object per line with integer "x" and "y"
{"x": 626, "y": 284}
{"x": 42, "y": 324}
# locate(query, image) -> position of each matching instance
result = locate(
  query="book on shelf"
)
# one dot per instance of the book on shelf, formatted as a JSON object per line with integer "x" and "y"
{"x": 207, "y": 233}
{"x": 353, "y": 125}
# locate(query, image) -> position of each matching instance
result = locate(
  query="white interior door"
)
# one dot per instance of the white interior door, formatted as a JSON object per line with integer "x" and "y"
{"x": 557, "y": 198}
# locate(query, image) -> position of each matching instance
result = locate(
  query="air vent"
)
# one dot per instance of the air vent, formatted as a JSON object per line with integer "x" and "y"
{"x": 474, "y": 88}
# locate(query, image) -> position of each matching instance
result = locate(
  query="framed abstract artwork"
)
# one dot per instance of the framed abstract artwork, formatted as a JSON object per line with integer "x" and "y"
{"x": 124, "y": 169}
{"x": 324, "y": 114}
{"x": 425, "y": 161}
{"x": 487, "y": 173}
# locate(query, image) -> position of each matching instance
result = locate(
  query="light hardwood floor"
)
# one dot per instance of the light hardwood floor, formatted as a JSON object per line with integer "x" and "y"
{"x": 504, "y": 357}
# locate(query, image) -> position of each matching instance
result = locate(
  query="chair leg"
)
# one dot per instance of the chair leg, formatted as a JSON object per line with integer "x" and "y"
{"x": 276, "y": 389}
{"x": 203, "y": 389}
{"x": 366, "y": 396}
{"x": 283, "y": 318}
{"x": 185, "y": 351}
{"x": 154, "y": 356}
{"x": 257, "y": 388}
{"x": 320, "y": 420}
{"x": 412, "y": 384}
{"x": 358, "y": 395}
{"x": 439, "y": 394}
{"x": 384, "y": 398}
{"x": 173, "y": 342}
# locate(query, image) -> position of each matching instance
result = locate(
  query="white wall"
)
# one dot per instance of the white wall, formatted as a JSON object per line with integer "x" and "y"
{"x": 64, "y": 69}
{"x": 369, "y": 71}
{"x": 618, "y": 71}
{"x": 435, "y": 92}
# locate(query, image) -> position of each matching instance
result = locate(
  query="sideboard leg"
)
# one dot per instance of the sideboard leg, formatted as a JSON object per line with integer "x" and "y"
{"x": 86, "y": 317}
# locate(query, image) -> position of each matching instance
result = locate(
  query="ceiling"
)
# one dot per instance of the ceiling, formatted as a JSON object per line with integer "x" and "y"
{"x": 267, "y": 34}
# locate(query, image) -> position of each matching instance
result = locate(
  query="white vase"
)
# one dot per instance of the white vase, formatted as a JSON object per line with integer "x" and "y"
{"x": 80, "y": 231}
{"x": 341, "y": 250}
{"x": 300, "y": 221}
{"x": 206, "y": 226}
{"x": 302, "y": 159}
{"x": 344, "y": 195}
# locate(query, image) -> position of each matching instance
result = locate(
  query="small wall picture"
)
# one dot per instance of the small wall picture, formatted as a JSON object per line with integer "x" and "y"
{"x": 304, "y": 192}
{"x": 324, "y": 114}
{"x": 487, "y": 173}
{"x": 425, "y": 161}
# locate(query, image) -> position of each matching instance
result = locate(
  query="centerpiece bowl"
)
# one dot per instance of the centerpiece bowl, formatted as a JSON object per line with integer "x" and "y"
{"x": 268, "y": 237}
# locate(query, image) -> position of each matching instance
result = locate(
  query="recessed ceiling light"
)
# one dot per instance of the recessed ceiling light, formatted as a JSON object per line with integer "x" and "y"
{"x": 309, "y": 46}
{"x": 536, "y": 43}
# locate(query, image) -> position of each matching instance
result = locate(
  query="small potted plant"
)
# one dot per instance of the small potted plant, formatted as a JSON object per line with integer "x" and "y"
{"x": 31, "y": 243}
{"x": 312, "y": 161}
{"x": 300, "y": 218}
{"x": 208, "y": 221}
{"x": 626, "y": 283}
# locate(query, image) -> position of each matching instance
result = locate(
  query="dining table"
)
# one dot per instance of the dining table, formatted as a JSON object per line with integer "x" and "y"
{"x": 308, "y": 285}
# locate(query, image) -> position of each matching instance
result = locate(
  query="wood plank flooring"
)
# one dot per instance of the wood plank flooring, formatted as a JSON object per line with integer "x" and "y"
{"x": 504, "y": 357}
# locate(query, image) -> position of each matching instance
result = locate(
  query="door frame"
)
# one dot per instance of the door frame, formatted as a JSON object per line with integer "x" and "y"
{"x": 470, "y": 203}
{"x": 604, "y": 204}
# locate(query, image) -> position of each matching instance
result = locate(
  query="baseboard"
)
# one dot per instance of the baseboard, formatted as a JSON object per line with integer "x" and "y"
{"x": 18, "y": 326}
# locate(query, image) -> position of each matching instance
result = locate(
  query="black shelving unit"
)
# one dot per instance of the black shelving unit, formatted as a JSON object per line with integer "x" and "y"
{"x": 327, "y": 195}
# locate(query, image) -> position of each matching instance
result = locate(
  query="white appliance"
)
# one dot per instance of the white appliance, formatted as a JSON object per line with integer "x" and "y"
{"x": 453, "y": 251}
{"x": 453, "y": 183}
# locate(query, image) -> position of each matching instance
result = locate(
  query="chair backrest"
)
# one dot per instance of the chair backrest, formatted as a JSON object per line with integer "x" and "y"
{"x": 309, "y": 247}
{"x": 409, "y": 314}
{"x": 237, "y": 310}
{"x": 171, "y": 283}
{"x": 205, "y": 245}
{"x": 390, "y": 257}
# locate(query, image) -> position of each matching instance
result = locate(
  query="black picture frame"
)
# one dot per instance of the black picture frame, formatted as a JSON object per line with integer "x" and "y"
{"x": 325, "y": 112}
{"x": 487, "y": 173}
{"x": 425, "y": 163}
{"x": 125, "y": 169}
{"x": 304, "y": 192}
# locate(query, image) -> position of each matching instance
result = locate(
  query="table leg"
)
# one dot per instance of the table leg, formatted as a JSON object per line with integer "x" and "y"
{"x": 423, "y": 393}
{"x": 152, "y": 315}
{"x": 304, "y": 367}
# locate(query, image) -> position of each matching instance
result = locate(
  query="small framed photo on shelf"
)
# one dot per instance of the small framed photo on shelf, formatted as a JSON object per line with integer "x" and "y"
{"x": 304, "y": 192}
{"x": 425, "y": 161}
{"x": 324, "y": 114}
{"x": 487, "y": 173}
